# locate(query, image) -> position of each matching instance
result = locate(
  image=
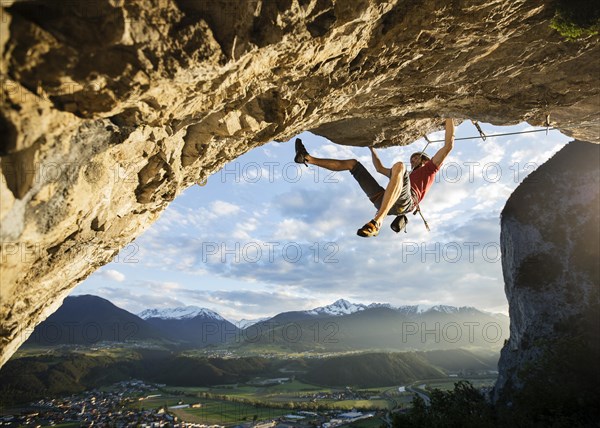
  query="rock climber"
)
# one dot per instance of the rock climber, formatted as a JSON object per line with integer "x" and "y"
{"x": 403, "y": 193}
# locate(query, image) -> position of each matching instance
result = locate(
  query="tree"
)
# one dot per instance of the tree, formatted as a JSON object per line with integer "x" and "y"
{"x": 464, "y": 407}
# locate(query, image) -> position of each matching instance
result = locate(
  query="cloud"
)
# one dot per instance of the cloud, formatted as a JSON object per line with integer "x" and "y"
{"x": 137, "y": 296}
{"x": 334, "y": 151}
{"x": 491, "y": 196}
{"x": 530, "y": 158}
{"x": 112, "y": 274}
{"x": 252, "y": 303}
{"x": 222, "y": 208}
{"x": 233, "y": 305}
{"x": 444, "y": 195}
{"x": 244, "y": 227}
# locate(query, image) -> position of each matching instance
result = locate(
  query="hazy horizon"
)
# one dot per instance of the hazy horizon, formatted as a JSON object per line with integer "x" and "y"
{"x": 420, "y": 308}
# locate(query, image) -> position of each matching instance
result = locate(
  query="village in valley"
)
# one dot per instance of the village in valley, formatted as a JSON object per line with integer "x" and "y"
{"x": 135, "y": 403}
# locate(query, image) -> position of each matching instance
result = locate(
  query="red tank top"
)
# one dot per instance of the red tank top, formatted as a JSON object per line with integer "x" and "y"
{"x": 421, "y": 180}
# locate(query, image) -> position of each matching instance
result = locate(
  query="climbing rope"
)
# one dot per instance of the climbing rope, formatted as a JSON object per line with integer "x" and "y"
{"x": 483, "y": 136}
{"x": 495, "y": 135}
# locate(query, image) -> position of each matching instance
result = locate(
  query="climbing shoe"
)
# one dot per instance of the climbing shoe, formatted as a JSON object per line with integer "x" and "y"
{"x": 301, "y": 152}
{"x": 369, "y": 229}
{"x": 399, "y": 223}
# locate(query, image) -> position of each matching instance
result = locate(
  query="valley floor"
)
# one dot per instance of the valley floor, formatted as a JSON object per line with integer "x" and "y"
{"x": 275, "y": 402}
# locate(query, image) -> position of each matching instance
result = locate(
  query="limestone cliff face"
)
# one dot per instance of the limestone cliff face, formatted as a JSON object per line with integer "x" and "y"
{"x": 111, "y": 108}
{"x": 550, "y": 242}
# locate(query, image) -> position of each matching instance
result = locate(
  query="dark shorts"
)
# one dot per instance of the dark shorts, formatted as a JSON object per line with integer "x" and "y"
{"x": 374, "y": 191}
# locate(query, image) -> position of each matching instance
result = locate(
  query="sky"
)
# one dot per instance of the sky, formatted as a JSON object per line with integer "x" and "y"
{"x": 265, "y": 235}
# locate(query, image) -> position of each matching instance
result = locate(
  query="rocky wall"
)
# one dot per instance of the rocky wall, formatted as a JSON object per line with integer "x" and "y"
{"x": 550, "y": 240}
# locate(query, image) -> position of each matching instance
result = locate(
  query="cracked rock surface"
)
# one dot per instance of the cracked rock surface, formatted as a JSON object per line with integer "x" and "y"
{"x": 110, "y": 108}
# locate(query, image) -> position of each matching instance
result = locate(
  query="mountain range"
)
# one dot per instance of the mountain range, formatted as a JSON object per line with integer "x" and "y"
{"x": 341, "y": 326}
{"x": 190, "y": 324}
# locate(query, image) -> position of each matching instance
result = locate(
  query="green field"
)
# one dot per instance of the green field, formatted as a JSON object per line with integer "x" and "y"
{"x": 237, "y": 407}
{"x": 212, "y": 411}
{"x": 363, "y": 404}
{"x": 233, "y": 404}
{"x": 286, "y": 391}
{"x": 297, "y": 386}
{"x": 191, "y": 390}
{"x": 448, "y": 383}
{"x": 368, "y": 423}
{"x": 227, "y": 413}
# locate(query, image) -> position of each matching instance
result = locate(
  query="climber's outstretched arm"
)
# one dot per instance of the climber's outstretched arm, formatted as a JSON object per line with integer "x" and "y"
{"x": 378, "y": 165}
{"x": 442, "y": 153}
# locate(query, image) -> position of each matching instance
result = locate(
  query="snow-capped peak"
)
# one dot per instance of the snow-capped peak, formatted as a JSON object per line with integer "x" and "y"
{"x": 445, "y": 309}
{"x": 186, "y": 312}
{"x": 452, "y": 309}
{"x": 339, "y": 307}
{"x": 245, "y": 323}
{"x": 380, "y": 305}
